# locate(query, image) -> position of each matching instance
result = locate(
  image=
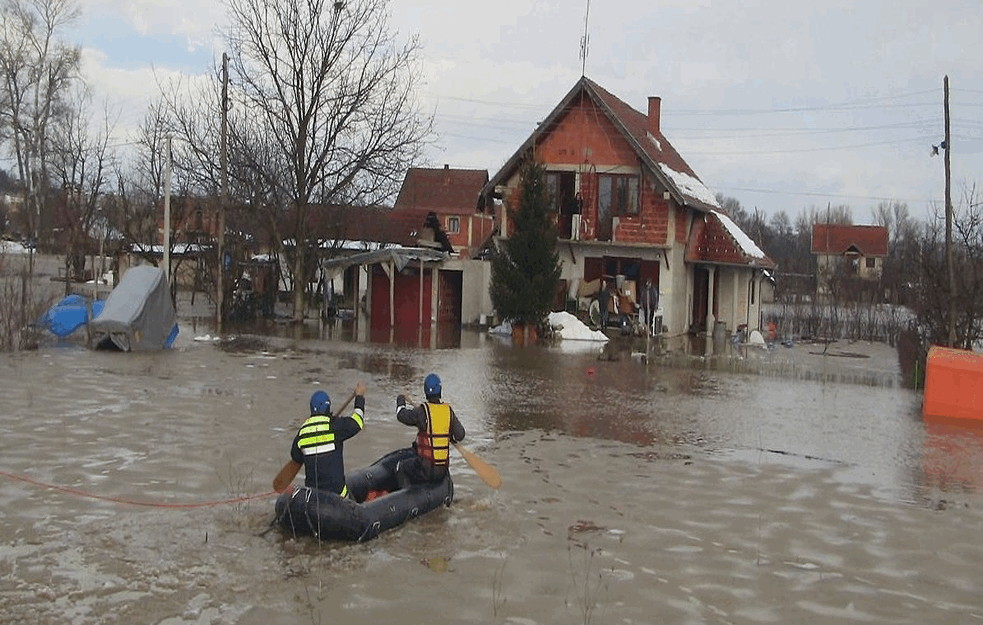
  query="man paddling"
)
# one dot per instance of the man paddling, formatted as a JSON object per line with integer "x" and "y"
{"x": 437, "y": 427}
{"x": 319, "y": 444}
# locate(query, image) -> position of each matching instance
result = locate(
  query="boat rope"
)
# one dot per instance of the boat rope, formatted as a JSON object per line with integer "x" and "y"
{"x": 135, "y": 502}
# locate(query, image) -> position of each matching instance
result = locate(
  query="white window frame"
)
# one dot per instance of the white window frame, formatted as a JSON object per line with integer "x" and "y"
{"x": 453, "y": 224}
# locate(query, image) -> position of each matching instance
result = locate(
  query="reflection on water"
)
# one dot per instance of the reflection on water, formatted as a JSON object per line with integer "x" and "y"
{"x": 697, "y": 392}
{"x": 953, "y": 455}
{"x": 684, "y": 489}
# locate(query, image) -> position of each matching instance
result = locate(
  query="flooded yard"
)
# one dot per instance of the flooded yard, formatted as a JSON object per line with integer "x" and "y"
{"x": 135, "y": 488}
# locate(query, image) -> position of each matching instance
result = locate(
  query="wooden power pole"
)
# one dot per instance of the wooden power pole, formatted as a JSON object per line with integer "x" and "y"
{"x": 948, "y": 223}
{"x": 223, "y": 159}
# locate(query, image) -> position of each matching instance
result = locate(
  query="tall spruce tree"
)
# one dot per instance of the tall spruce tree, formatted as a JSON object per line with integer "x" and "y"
{"x": 526, "y": 267}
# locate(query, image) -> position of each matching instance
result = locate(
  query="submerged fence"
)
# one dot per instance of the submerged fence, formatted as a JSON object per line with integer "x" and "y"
{"x": 858, "y": 322}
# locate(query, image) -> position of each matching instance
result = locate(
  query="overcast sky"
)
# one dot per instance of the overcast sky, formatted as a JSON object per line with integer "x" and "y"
{"x": 782, "y": 105}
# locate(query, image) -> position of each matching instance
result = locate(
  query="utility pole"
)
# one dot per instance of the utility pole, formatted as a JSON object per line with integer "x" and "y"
{"x": 223, "y": 158}
{"x": 167, "y": 214}
{"x": 948, "y": 222}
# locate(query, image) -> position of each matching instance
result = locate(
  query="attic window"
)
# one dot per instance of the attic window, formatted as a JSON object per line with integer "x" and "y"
{"x": 453, "y": 224}
{"x": 618, "y": 194}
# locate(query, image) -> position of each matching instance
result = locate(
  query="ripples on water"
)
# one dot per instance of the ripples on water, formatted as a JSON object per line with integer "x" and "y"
{"x": 691, "y": 488}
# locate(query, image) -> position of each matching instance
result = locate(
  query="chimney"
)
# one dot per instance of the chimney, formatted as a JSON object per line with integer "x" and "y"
{"x": 655, "y": 112}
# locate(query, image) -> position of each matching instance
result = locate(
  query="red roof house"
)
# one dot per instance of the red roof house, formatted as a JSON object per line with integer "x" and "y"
{"x": 847, "y": 251}
{"x": 629, "y": 208}
{"x": 454, "y": 196}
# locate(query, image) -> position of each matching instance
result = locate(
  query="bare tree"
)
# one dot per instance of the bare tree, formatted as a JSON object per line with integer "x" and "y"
{"x": 38, "y": 70}
{"x": 81, "y": 162}
{"x": 934, "y": 294}
{"x": 332, "y": 90}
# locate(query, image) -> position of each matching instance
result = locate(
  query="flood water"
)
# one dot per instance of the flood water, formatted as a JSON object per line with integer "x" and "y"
{"x": 633, "y": 492}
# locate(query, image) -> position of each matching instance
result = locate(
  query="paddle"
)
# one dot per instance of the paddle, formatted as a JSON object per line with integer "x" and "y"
{"x": 488, "y": 474}
{"x": 290, "y": 470}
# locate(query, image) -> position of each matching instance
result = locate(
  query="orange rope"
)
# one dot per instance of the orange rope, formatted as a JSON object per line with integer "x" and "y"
{"x": 133, "y": 502}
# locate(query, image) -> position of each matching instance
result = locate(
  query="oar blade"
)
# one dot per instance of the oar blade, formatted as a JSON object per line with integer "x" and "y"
{"x": 488, "y": 474}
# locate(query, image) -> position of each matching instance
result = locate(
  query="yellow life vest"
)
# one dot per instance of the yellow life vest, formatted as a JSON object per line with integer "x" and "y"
{"x": 316, "y": 436}
{"x": 435, "y": 444}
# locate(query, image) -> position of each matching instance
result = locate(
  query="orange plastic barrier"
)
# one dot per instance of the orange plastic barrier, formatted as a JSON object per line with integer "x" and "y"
{"x": 953, "y": 384}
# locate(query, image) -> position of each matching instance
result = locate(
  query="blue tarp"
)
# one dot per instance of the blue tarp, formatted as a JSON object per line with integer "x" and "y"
{"x": 70, "y": 314}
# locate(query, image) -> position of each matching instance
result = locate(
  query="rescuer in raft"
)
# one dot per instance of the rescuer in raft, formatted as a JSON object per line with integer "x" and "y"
{"x": 437, "y": 427}
{"x": 319, "y": 444}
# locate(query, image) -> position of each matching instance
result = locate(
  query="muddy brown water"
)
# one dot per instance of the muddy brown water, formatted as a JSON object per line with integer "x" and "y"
{"x": 634, "y": 492}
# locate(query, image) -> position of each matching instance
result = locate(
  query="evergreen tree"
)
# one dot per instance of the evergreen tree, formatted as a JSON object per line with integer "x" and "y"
{"x": 526, "y": 267}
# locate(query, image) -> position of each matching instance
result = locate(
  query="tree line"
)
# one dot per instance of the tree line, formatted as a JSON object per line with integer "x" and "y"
{"x": 311, "y": 106}
{"x": 914, "y": 273}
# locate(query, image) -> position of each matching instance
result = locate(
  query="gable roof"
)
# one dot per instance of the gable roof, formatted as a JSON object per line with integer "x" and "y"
{"x": 716, "y": 239}
{"x": 442, "y": 190}
{"x": 835, "y": 239}
{"x": 652, "y": 148}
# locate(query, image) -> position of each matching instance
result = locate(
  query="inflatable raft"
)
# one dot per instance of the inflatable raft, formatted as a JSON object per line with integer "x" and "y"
{"x": 314, "y": 512}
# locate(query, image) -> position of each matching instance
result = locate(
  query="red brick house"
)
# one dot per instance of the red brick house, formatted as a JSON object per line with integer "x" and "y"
{"x": 454, "y": 196}
{"x": 848, "y": 250}
{"x": 629, "y": 208}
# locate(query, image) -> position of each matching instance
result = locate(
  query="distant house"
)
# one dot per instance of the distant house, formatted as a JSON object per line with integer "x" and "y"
{"x": 629, "y": 208}
{"x": 847, "y": 251}
{"x": 454, "y": 197}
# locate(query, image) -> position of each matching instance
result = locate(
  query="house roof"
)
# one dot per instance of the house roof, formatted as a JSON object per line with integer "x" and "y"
{"x": 716, "y": 239}
{"x": 442, "y": 190}
{"x": 653, "y": 149}
{"x": 835, "y": 239}
{"x": 399, "y": 256}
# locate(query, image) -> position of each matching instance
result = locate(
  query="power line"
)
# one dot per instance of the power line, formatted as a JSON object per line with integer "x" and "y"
{"x": 822, "y": 195}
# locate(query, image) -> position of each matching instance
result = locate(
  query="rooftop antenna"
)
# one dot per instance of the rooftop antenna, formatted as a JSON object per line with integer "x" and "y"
{"x": 584, "y": 41}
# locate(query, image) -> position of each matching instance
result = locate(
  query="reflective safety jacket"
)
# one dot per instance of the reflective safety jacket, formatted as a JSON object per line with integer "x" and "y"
{"x": 437, "y": 427}
{"x": 319, "y": 445}
{"x": 434, "y": 444}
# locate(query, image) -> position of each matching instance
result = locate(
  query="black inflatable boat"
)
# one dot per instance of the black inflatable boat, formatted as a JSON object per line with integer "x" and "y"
{"x": 313, "y": 512}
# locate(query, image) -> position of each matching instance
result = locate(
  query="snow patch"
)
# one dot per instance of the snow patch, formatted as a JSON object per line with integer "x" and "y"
{"x": 569, "y": 327}
{"x": 749, "y": 247}
{"x": 689, "y": 185}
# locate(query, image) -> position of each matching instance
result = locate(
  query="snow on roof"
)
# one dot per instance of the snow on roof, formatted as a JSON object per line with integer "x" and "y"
{"x": 689, "y": 185}
{"x": 12, "y": 247}
{"x": 348, "y": 244}
{"x": 749, "y": 246}
{"x": 178, "y": 249}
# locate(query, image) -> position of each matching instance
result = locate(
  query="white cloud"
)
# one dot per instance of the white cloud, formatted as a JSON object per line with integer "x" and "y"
{"x": 781, "y": 105}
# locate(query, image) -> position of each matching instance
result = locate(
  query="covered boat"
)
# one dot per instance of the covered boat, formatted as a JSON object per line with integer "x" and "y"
{"x": 328, "y": 516}
{"x": 138, "y": 314}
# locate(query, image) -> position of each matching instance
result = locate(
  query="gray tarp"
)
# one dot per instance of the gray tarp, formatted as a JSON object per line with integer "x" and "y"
{"x": 138, "y": 315}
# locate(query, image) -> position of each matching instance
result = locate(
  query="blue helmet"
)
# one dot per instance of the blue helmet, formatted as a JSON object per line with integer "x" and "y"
{"x": 431, "y": 385}
{"x": 320, "y": 403}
